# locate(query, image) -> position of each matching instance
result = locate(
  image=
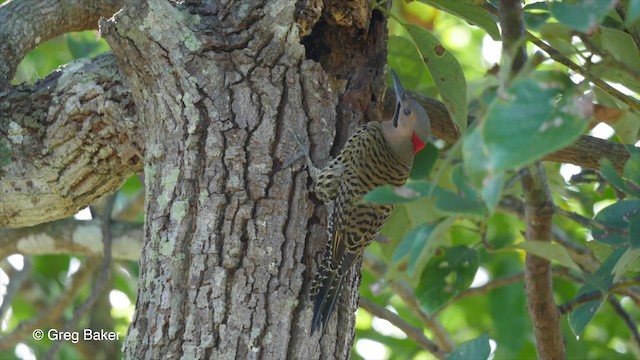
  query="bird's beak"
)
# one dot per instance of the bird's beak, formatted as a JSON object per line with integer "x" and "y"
{"x": 400, "y": 96}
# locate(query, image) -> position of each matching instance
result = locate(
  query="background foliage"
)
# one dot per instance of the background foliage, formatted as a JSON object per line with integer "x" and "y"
{"x": 455, "y": 240}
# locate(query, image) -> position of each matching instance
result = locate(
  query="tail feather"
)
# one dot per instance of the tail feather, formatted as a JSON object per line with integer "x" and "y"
{"x": 325, "y": 291}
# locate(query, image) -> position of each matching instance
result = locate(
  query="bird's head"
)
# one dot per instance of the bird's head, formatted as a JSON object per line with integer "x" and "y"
{"x": 409, "y": 129}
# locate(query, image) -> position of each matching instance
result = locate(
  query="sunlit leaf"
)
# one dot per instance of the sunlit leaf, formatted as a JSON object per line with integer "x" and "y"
{"x": 406, "y": 61}
{"x": 446, "y": 73}
{"x": 470, "y": 11}
{"x": 620, "y": 45}
{"x": 536, "y": 14}
{"x": 549, "y": 251}
{"x": 626, "y": 260}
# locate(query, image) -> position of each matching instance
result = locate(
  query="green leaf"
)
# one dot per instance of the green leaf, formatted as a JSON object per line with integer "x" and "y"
{"x": 632, "y": 169}
{"x": 421, "y": 255}
{"x": 601, "y": 280}
{"x": 536, "y": 15}
{"x": 462, "y": 182}
{"x": 634, "y": 233}
{"x": 471, "y": 12}
{"x": 491, "y": 192}
{"x": 624, "y": 263}
{"x": 616, "y": 216}
{"x": 582, "y": 315}
{"x": 549, "y": 251}
{"x": 388, "y": 194}
{"x": 612, "y": 176}
{"x": 405, "y": 59}
{"x": 604, "y": 276}
{"x": 621, "y": 46}
{"x": 445, "y": 276}
{"x": 423, "y": 162}
{"x": 474, "y": 349}
{"x": 446, "y": 73}
{"x": 527, "y": 123}
{"x": 420, "y": 245}
{"x": 627, "y": 126}
{"x": 476, "y": 160}
{"x": 633, "y": 12}
{"x": 478, "y": 171}
{"x": 414, "y": 240}
{"x": 454, "y": 204}
{"x": 583, "y": 15}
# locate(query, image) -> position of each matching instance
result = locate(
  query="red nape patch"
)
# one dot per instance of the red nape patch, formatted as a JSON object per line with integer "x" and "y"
{"x": 417, "y": 143}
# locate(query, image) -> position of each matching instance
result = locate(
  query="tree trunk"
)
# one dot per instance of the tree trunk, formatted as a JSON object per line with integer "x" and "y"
{"x": 232, "y": 237}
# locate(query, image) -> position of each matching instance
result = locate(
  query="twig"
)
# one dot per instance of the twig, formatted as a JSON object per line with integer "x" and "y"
{"x": 586, "y": 222}
{"x": 15, "y": 282}
{"x": 596, "y": 295}
{"x": 413, "y": 332}
{"x": 631, "y": 324}
{"x": 594, "y": 49}
{"x": 579, "y": 300}
{"x": 53, "y": 313}
{"x": 99, "y": 284}
{"x": 557, "y": 56}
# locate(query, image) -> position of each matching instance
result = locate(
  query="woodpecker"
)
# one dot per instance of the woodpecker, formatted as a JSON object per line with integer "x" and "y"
{"x": 376, "y": 154}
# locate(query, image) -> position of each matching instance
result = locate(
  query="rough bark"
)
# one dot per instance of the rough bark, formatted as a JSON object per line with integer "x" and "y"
{"x": 19, "y": 33}
{"x": 226, "y": 249}
{"x": 65, "y": 142}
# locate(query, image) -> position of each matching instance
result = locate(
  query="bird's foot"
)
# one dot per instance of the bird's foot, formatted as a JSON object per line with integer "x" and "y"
{"x": 314, "y": 172}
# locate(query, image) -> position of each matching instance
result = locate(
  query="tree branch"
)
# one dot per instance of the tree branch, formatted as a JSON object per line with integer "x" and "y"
{"x": 631, "y": 324}
{"x": 72, "y": 237}
{"x": 538, "y": 209}
{"x": 19, "y": 33}
{"x": 66, "y": 141}
{"x": 586, "y": 152}
{"x": 413, "y": 332}
{"x": 560, "y": 58}
{"x": 596, "y": 294}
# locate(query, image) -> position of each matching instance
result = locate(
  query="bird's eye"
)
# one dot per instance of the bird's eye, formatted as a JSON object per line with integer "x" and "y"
{"x": 407, "y": 111}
